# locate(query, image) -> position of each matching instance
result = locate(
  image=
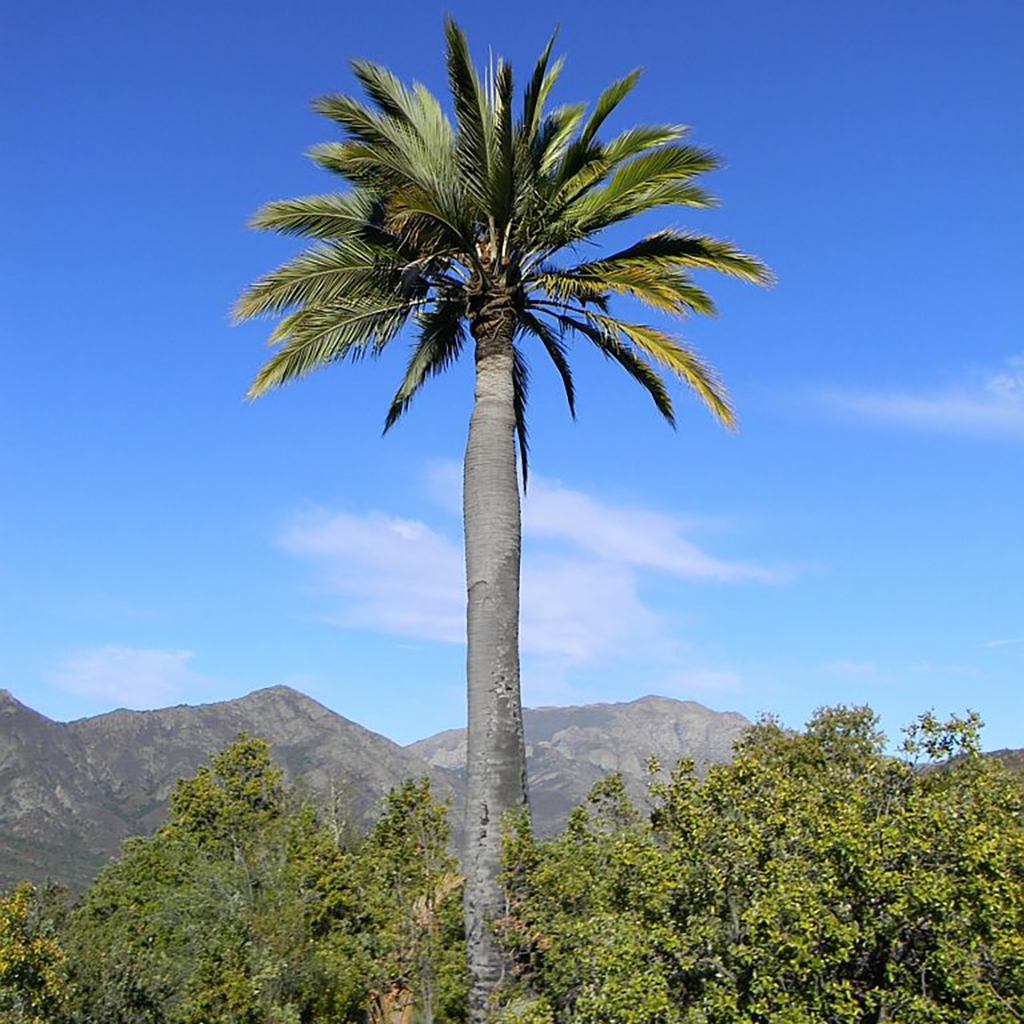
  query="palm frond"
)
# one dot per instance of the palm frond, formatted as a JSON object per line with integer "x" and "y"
{"x": 602, "y": 160}
{"x": 344, "y": 269}
{"x": 502, "y": 174}
{"x": 634, "y": 141}
{"x": 442, "y": 336}
{"x": 370, "y": 127}
{"x": 323, "y": 216}
{"x": 313, "y": 338}
{"x": 577, "y": 154}
{"x": 657, "y": 286}
{"x": 555, "y": 348}
{"x": 634, "y": 180}
{"x": 555, "y": 134}
{"x": 386, "y": 90}
{"x": 537, "y": 91}
{"x": 683, "y": 362}
{"x": 406, "y": 163}
{"x": 658, "y": 177}
{"x": 608, "y": 344}
{"x": 520, "y": 389}
{"x": 416, "y": 109}
{"x": 698, "y": 251}
{"x": 471, "y": 115}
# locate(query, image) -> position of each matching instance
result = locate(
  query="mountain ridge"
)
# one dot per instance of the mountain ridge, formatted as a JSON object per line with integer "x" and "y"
{"x": 71, "y": 792}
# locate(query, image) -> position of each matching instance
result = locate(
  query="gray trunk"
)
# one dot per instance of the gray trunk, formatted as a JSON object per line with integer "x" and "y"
{"x": 496, "y": 756}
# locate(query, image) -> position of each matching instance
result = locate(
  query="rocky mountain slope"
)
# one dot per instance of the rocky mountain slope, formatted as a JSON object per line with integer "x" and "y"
{"x": 71, "y": 792}
{"x": 568, "y": 749}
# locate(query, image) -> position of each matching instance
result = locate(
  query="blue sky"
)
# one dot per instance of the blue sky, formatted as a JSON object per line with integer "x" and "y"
{"x": 858, "y": 541}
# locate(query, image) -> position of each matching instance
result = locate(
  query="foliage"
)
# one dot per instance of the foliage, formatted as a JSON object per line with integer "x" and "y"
{"x": 447, "y": 224}
{"x": 396, "y": 910}
{"x": 31, "y": 959}
{"x": 244, "y": 908}
{"x": 813, "y": 879}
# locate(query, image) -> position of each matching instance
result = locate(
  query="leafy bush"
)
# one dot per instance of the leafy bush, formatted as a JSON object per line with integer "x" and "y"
{"x": 814, "y": 879}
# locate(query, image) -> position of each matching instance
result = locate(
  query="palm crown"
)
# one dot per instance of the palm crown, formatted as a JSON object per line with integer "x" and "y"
{"x": 442, "y": 219}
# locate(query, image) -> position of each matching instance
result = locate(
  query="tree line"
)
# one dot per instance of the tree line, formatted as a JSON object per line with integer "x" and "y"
{"x": 812, "y": 879}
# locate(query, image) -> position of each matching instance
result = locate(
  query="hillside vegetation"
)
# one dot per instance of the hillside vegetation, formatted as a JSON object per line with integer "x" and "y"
{"x": 813, "y": 878}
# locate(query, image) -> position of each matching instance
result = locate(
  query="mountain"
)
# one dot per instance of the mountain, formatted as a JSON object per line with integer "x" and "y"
{"x": 52, "y": 811}
{"x": 71, "y": 792}
{"x": 568, "y": 749}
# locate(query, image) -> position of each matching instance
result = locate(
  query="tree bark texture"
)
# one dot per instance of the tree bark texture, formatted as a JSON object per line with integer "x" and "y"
{"x": 496, "y": 754}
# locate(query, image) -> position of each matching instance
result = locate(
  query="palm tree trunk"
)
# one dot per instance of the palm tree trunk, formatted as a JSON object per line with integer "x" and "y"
{"x": 496, "y": 756}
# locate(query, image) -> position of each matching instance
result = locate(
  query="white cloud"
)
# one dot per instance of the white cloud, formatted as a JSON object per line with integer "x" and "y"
{"x": 579, "y": 611}
{"x": 989, "y": 405}
{"x": 1004, "y": 643}
{"x": 628, "y": 536}
{"x": 129, "y": 676}
{"x": 396, "y": 575}
{"x": 582, "y": 577}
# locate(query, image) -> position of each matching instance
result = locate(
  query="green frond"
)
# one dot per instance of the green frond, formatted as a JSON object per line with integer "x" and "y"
{"x": 636, "y": 178}
{"x": 416, "y": 109}
{"x": 577, "y": 154}
{"x": 657, "y": 286}
{"x": 599, "y": 161}
{"x": 429, "y": 190}
{"x": 699, "y": 251}
{"x": 658, "y": 177}
{"x": 609, "y": 346}
{"x": 345, "y": 269}
{"x": 442, "y": 336}
{"x": 540, "y": 86}
{"x": 324, "y": 216}
{"x": 555, "y": 348}
{"x": 636, "y": 140}
{"x": 417, "y": 218}
{"x": 471, "y": 115}
{"x": 502, "y": 173}
{"x": 683, "y": 362}
{"x": 612, "y": 96}
{"x": 520, "y": 389}
{"x": 360, "y": 122}
{"x": 411, "y": 166}
{"x": 359, "y": 164}
{"x": 313, "y": 338}
{"x": 555, "y": 134}
{"x": 386, "y": 90}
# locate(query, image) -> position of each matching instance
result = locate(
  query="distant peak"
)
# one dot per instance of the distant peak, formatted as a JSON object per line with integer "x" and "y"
{"x": 280, "y": 690}
{"x": 14, "y": 706}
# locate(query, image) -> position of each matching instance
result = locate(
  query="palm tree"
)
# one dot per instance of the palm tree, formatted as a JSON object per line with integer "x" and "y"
{"x": 457, "y": 229}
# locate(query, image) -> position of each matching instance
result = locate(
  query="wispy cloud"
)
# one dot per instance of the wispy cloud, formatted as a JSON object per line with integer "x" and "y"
{"x": 633, "y": 536}
{"x": 990, "y": 405}
{"x": 1004, "y": 643}
{"x": 130, "y": 677}
{"x": 393, "y": 574}
{"x": 582, "y": 575}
